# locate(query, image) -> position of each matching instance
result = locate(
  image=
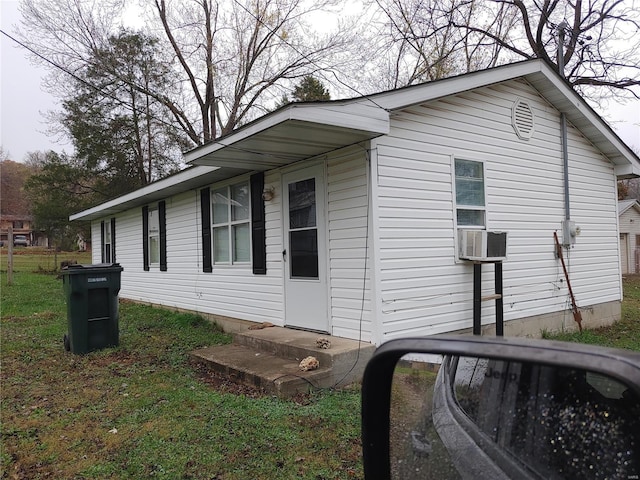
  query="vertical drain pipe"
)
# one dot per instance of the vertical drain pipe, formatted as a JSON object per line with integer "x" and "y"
{"x": 565, "y": 167}
{"x": 566, "y": 225}
{"x": 563, "y": 134}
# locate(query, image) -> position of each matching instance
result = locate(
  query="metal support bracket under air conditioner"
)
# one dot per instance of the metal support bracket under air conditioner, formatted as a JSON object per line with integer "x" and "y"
{"x": 478, "y": 298}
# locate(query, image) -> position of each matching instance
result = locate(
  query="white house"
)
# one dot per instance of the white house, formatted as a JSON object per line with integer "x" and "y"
{"x": 629, "y": 222}
{"x": 344, "y": 216}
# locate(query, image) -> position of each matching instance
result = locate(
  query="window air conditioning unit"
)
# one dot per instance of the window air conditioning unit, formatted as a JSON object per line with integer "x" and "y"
{"x": 481, "y": 245}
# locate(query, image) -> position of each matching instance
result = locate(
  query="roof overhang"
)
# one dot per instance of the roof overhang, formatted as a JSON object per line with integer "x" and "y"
{"x": 627, "y": 171}
{"x": 624, "y": 205}
{"x": 188, "y": 179}
{"x": 294, "y": 133}
{"x": 547, "y": 82}
{"x": 302, "y": 131}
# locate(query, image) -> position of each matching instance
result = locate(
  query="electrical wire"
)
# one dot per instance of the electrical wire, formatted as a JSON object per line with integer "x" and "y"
{"x": 364, "y": 275}
{"x": 133, "y": 109}
{"x": 367, "y": 153}
{"x": 306, "y": 57}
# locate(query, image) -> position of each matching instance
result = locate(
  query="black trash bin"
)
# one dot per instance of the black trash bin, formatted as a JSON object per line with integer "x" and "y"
{"x": 91, "y": 293}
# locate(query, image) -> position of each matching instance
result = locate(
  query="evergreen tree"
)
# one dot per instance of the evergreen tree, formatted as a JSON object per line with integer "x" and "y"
{"x": 60, "y": 187}
{"x": 119, "y": 131}
{"x": 309, "y": 89}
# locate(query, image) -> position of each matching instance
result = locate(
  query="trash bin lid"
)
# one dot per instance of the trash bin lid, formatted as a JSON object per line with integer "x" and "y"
{"x": 81, "y": 269}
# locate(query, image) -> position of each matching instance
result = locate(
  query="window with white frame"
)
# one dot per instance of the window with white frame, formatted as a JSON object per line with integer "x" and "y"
{"x": 470, "y": 193}
{"x": 230, "y": 223}
{"x": 154, "y": 236}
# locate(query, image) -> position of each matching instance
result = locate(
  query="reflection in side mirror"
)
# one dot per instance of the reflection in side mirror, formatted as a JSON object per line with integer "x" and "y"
{"x": 522, "y": 413}
{"x": 480, "y": 418}
{"x": 416, "y": 450}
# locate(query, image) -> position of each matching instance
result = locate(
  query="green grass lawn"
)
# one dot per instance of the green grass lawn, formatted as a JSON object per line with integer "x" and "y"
{"x": 623, "y": 334}
{"x": 40, "y": 259}
{"x": 141, "y": 410}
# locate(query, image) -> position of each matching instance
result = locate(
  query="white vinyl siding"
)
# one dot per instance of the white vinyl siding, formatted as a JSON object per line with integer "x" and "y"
{"x": 421, "y": 289}
{"x": 391, "y": 227}
{"x": 223, "y": 292}
{"x": 350, "y": 286}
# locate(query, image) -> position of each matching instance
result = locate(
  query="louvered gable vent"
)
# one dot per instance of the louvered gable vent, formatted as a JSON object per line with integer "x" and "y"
{"x": 522, "y": 119}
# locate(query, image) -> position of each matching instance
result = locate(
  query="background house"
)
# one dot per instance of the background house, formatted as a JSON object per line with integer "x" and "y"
{"x": 629, "y": 222}
{"x": 21, "y": 225}
{"x": 347, "y": 217}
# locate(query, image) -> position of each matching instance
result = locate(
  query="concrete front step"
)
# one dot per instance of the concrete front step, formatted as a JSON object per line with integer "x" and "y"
{"x": 270, "y": 359}
{"x": 276, "y": 375}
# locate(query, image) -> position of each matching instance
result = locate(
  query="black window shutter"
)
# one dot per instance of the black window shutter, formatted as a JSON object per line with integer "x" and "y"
{"x": 258, "y": 227}
{"x": 162, "y": 213}
{"x": 145, "y": 238}
{"x": 102, "y": 245}
{"x": 205, "y": 207}
{"x": 113, "y": 240}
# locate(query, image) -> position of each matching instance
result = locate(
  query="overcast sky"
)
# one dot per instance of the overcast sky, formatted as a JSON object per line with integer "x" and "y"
{"x": 23, "y": 100}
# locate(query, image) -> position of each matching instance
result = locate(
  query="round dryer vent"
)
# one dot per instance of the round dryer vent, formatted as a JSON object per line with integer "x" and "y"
{"x": 522, "y": 119}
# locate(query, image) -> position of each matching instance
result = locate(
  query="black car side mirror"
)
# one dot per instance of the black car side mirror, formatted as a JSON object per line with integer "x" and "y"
{"x": 499, "y": 408}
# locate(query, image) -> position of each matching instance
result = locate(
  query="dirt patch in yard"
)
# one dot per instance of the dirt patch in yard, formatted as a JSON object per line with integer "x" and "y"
{"x": 224, "y": 383}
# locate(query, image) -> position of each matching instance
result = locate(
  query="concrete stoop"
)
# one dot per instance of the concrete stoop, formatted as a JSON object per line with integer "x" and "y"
{"x": 269, "y": 358}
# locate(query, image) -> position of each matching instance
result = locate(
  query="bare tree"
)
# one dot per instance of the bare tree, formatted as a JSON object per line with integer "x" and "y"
{"x": 232, "y": 58}
{"x": 232, "y": 55}
{"x": 420, "y": 39}
{"x": 66, "y": 34}
{"x": 602, "y": 38}
{"x": 433, "y": 38}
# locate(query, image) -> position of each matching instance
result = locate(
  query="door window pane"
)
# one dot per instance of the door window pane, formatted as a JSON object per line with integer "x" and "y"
{"x": 304, "y": 253}
{"x": 302, "y": 204}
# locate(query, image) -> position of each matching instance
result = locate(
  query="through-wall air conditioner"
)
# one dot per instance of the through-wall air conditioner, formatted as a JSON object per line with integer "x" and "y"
{"x": 481, "y": 245}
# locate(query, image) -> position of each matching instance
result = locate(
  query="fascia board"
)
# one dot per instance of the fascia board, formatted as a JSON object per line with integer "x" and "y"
{"x": 541, "y": 75}
{"x": 576, "y": 106}
{"x": 627, "y": 171}
{"x": 155, "y": 187}
{"x": 348, "y": 114}
{"x": 415, "y": 95}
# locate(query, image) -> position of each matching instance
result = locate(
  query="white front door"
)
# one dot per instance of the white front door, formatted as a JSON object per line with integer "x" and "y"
{"x": 305, "y": 249}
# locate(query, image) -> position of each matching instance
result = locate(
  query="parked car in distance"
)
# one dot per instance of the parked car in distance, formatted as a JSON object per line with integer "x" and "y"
{"x": 20, "y": 241}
